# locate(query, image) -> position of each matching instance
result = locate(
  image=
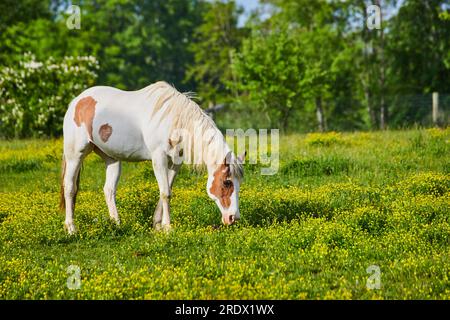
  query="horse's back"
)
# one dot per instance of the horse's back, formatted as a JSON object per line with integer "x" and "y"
{"x": 112, "y": 119}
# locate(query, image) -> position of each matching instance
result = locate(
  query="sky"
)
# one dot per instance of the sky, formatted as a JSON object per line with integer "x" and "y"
{"x": 248, "y": 6}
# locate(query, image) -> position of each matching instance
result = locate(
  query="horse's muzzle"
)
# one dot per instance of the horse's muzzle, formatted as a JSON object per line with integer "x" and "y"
{"x": 229, "y": 219}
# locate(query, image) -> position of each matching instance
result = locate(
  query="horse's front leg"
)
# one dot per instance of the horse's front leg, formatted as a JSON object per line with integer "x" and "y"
{"x": 157, "y": 217}
{"x": 161, "y": 170}
{"x": 113, "y": 169}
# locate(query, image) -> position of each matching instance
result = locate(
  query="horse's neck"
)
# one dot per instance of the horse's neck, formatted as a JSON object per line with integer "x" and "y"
{"x": 217, "y": 151}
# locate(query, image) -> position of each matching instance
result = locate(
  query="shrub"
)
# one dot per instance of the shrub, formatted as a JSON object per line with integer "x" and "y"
{"x": 329, "y": 165}
{"x": 438, "y": 133}
{"x": 18, "y": 165}
{"x": 370, "y": 220}
{"x": 428, "y": 183}
{"x": 324, "y": 139}
{"x": 34, "y": 95}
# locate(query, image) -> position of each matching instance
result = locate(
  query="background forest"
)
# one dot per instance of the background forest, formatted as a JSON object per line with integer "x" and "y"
{"x": 297, "y": 65}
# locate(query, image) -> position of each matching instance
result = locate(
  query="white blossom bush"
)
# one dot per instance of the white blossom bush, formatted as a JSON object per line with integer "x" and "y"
{"x": 34, "y": 95}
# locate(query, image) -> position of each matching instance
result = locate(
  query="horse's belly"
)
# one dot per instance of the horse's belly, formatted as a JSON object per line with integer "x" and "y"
{"x": 120, "y": 137}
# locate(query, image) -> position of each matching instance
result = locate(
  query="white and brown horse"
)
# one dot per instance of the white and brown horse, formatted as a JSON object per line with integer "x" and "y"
{"x": 155, "y": 123}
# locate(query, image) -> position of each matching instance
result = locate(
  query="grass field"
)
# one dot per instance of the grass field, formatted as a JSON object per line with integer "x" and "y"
{"x": 340, "y": 204}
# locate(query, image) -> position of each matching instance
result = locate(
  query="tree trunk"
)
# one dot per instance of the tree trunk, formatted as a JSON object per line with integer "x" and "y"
{"x": 370, "y": 110}
{"x": 367, "y": 74}
{"x": 382, "y": 78}
{"x": 383, "y": 113}
{"x": 320, "y": 115}
{"x": 285, "y": 120}
{"x": 233, "y": 76}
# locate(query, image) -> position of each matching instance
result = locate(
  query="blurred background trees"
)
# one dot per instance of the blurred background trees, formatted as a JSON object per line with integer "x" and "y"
{"x": 301, "y": 66}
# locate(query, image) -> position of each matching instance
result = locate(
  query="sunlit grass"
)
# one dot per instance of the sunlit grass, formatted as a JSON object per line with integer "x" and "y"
{"x": 309, "y": 232}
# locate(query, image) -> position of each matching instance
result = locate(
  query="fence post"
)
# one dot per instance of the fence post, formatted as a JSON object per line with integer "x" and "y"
{"x": 435, "y": 111}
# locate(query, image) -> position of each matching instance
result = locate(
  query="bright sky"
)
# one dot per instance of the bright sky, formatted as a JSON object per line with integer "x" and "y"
{"x": 248, "y": 4}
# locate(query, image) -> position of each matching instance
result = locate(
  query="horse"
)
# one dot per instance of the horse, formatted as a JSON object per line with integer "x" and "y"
{"x": 156, "y": 123}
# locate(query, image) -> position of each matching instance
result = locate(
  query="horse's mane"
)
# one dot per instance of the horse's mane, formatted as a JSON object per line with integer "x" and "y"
{"x": 186, "y": 115}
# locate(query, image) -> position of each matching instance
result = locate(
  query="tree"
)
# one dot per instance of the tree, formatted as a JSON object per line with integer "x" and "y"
{"x": 15, "y": 17}
{"x": 270, "y": 69}
{"x": 216, "y": 40}
{"x": 328, "y": 84}
{"x": 418, "y": 47}
{"x": 375, "y": 66}
{"x": 136, "y": 42}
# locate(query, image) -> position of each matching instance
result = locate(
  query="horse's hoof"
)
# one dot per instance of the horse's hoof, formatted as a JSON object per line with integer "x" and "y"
{"x": 166, "y": 228}
{"x": 116, "y": 221}
{"x": 157, "y": 226}
{"x": 70, "y": 228}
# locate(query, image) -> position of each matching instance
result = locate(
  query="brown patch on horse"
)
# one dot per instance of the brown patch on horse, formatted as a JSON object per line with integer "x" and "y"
{"x": 105, "y": 132}
{"x": 221, "y": 186}
{"x": 84, "y": 113}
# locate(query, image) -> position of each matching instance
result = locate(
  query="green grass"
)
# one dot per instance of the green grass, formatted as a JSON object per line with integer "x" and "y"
{"x": 339, "y": 204}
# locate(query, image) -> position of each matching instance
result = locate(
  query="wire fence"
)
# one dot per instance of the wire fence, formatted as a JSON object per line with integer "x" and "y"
{"x": 345, "y": 114}
{"x": 408, "y": 110}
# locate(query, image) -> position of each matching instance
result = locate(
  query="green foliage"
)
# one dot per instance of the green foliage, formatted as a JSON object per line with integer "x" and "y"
{"x": 270, "y": 70}
{"x": 216, "y": 40}
{"x": 418, "y": 54}
{"x": 136, "y": 43}
{"x": 34, "y": 95}
{"x": 20, "y": 166}
{"x": 418, "y": 45}
{"x": 324, "y": 139}
{"x": 310, "y": 68}
{"x": 303, "y": 62}
{"x": 428, "y": 183}
{"x": 317, "y": 166}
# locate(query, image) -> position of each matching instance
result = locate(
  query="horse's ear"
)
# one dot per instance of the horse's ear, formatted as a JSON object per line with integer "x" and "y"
{"x": 174, "y": 141}
{"x": 241, "y": 158}
{"x": 228, "y": 158}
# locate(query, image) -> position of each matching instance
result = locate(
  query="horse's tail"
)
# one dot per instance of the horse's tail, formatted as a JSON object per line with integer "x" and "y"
{"x": 62, "y": 199}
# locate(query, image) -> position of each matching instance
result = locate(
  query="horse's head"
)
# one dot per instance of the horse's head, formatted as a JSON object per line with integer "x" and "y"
{"x": 223, "y": 186}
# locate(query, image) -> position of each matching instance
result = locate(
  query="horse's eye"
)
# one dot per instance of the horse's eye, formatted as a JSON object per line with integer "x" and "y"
{"x": 227, "y": 184}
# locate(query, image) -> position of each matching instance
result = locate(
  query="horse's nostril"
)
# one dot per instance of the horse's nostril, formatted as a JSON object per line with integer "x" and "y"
{"x": 231, "y": 218}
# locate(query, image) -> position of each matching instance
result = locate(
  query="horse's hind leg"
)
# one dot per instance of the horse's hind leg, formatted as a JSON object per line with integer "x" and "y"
{"x": 112, "y": 178}
{"x": 113, "y": 169}
{"x": 71, "y": 178}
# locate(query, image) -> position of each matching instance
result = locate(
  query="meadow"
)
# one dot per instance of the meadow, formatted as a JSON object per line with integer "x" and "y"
{"x": 340, "y": 206}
